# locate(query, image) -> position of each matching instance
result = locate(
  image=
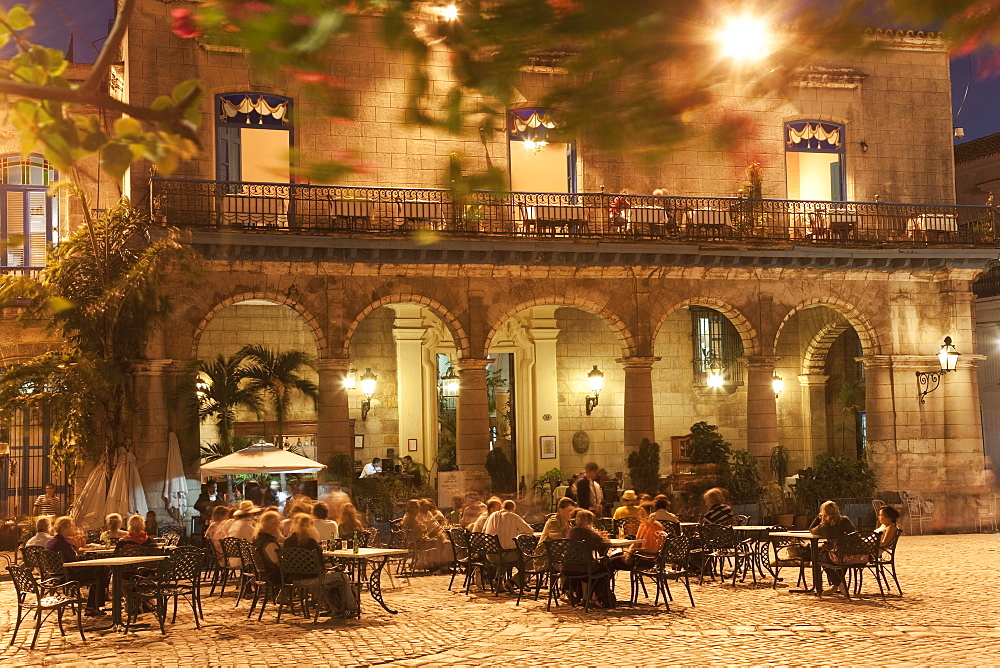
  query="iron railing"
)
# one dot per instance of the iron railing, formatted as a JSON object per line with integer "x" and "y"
{"x": 27, "y": 271}
{"x": 355, "y": 211}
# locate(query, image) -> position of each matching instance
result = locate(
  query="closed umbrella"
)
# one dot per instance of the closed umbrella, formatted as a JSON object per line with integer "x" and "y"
{"x": 260, "y": 459}
{"x": 175, "y": 487}
{"x": 125, "y": 494}
{"x": 88, "y": 509}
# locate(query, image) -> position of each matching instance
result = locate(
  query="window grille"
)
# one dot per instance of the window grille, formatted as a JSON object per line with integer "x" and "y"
{"x": 715, "y": 342}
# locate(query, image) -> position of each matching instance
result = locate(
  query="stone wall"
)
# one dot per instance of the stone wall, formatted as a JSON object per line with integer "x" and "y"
{"x": 374, "y": 347}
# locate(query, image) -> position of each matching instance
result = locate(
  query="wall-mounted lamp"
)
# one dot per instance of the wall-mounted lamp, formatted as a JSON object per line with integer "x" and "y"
{"x": 864, "y": 146}
{"x": 716, "y": 371}
{"x": 368, "y": 388}
{"x": 351, "y": 378}
{"x": 596, "y": 380}
{"x": 777, "y": 384}
{"x": 928, "y": 381}
{"x": 449, "y": 384}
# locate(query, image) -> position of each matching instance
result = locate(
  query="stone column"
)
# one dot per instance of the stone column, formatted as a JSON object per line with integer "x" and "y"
{"x": 762, "y": 411}
{"x": 333, "y": 426}
{"x": 639, "y": 413}
{"x": 408, "y": 332}
{"x": 544, "y": 414}
{"x": 150, "y": 427}
{"x": 814, "y": 428}
{"x": 473, "y": 422}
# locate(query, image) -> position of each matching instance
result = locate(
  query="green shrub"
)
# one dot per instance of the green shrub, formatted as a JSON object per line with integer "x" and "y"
{"x": 644, "y": 468}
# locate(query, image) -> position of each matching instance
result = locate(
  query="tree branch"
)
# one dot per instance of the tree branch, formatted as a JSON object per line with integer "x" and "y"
{"x": 109, "y": 52}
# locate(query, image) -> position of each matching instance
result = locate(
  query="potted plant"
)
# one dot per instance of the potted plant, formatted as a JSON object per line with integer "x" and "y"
{"x": 835, "y": 478}
{"x": 743, "y": 482}
{"x": 644, "y": 467}
{"x": 778, "y": 464}
{"x": 550, "y": 479}
{"x": 709, "y": 452}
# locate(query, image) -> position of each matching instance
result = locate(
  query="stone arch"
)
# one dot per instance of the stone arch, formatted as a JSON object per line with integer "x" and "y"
{"x": 624, "y": 333}
{"x": 457, "y": 331}
{"x": 814, "y": 358}
{"x": 748, "y": 335}
{"x": 272, "y": 296}
{"x": 867, "y": 333}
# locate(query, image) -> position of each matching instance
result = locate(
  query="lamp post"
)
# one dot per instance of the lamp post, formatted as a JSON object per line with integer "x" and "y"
{"x": 368, "y": 388}
{"x": 596, "y": 380}
{"x": 928, "y": 381}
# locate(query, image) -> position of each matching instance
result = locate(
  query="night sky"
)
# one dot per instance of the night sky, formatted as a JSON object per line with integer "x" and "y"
{"x": 88, "y": 21}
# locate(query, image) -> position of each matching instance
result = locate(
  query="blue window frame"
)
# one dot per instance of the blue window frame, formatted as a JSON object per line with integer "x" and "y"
{"x": 237, "y": 111}
{"x": 29, "y": 221}
{"x": 814, "y": 160}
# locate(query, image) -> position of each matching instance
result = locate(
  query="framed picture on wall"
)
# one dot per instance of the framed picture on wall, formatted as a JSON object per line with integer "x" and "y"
{"x": 548, "y": 447}
{"x": 411, "y": 445}
{"x": 359, "y": 441}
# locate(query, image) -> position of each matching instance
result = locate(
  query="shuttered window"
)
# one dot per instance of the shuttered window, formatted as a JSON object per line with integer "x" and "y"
{"x": 28, "y": 216}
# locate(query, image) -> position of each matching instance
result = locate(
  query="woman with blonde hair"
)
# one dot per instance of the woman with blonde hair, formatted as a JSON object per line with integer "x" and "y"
{"x": 216, "y": 530}
{"x": 113, "y": 525}
{"x": 425, "y": 536}
{"x": 830, "y": 524}
{"x": 350, "y": 521}
{"x": 137, "y": 532}
{"x": 266, "y": 542}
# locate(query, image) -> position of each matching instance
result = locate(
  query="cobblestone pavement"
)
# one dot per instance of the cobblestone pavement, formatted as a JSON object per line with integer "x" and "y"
{"x": 950, "y": 614}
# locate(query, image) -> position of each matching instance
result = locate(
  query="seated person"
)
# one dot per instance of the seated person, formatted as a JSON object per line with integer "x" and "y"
{"x": 507, "y": 525}
{"x": 113, "y": 526}
{"x": 631, "y": 507}
{"x": 266, "y": 541}
{"x": 830, "y": 524}
{"x": 137, "y": 532}
{"x": 326, "y": 528}
{"x": 887, "y": 518}
{"x": 584, "y": 531}
{"x": 642, "y": 555}
{"x": 42, "y": 536}
{"x": 719, "y": 512}
{"x": 97, "y": 577}
{"x": 350, "y": 521}
{"x": 333, "y": 587}
{"x": 661, "y": 510}
{"x": 152, "y": 526}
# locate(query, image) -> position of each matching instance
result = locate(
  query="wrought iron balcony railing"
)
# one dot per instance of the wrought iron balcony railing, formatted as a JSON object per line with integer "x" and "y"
{"x": 352, "y": 211}
{"x": 27, "y": 271}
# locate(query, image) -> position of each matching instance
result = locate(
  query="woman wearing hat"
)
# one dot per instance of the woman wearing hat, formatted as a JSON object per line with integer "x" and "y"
{"x": 242, "y": 525}
{"x": 631, "y": 508}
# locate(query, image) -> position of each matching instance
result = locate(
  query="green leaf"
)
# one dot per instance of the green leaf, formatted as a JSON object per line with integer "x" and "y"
{"x": 115, "y": 159}
{"x": 18, "y": 18}
{"x": 57, "y": 304}
{"x": 127, "y": 127}
{"x": 183, "y": 89}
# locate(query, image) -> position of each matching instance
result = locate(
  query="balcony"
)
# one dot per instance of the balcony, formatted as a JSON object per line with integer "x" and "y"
{"x": 401, "y": 212}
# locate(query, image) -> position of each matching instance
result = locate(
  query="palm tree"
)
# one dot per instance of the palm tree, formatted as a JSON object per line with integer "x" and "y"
{"x": 277, "y": 375}
{"x": 100, "y": 296}
{"x": 218, "y": 390}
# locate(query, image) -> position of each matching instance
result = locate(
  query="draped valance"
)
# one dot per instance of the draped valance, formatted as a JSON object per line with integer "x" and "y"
{"x": 814, "y": 136}
{"x": 251, "y": 109}
{"x": 533, "y": 124}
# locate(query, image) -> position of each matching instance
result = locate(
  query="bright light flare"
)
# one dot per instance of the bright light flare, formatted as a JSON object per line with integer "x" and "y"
{"x": 534, "y": 145}
{"x": 745, "y": 39}
{"x": 715, "y": 379}
{"x": 449, "y": 13}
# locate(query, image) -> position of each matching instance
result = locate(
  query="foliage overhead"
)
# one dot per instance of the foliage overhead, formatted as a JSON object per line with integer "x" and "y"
{"x": 100, "y": 295}
{"x": 278, "y": 377}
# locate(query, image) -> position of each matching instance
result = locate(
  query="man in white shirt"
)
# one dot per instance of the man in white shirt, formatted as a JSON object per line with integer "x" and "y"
{"x": 507, "y": 525}
{"x": 327, "y": 529}
{"x": 371, "y": 468}
{"x": 493, "y": 506}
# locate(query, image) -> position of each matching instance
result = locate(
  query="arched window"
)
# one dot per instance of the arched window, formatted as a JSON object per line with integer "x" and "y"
{"x": 28, "y": 213}
{"x": 253, "y": 134}
{"x": 717, "y": 349}
{"x": 814, "y": 160}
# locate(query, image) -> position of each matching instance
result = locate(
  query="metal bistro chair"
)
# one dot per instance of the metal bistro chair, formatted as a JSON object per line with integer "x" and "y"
{"x": 788, "y": 553}
{"x": 248, "y": 571}
{"x": 487, "y": 556}
{"x": 627, "y": 526}
{"x": 175, "y": 577}
{"x": 459, "y": 539}
{"x": 671, "y": 564}
{"x": 230, "y": 565}
{"x": 916, "y": 509}
{"x": 301, "y": 571}
{"x": 584, "y": 568}
{"x": 264, "y": 588}
{"x": 30, "y": 557}
{"x": 850, "y": 555}
{"x": 721, "y": 545}
{"x": 529, "y": 565}
{"x": 44, "y": 599}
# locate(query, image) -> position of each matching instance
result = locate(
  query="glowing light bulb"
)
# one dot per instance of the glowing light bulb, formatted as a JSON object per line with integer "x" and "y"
{"x": 745, "y": 38}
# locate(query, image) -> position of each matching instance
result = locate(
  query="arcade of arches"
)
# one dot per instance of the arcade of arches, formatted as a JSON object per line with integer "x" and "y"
{"x": 846, "y": 353}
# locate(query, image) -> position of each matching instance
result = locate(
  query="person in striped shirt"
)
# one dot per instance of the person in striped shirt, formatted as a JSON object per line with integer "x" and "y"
{"x": 48, "y": 503}
{"x": 719, "y": 512}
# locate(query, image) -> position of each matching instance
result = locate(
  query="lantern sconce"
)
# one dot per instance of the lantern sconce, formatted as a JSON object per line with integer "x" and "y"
{"x": 928, "y": 381}
{"x": 449, "y": 384}
{"x": 716, "y": 370}
{"x": 351, "y": 378}
{"x": 596, "y": 380}
{"x": 368, "y": 388}
{"x": 777, "y": 384}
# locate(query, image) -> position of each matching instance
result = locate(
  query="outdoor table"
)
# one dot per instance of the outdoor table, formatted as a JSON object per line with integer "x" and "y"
{"x": 552, "y": 218}
{"x": 364, "y": 555}
{"x": 688, "y": 527}
{"x": 435, "y": 214}
{"x": 708, "y": 223}
{"x": 116, "y": 564}
{"x": 817, "y": 573}
{"x": 932, "y": 226}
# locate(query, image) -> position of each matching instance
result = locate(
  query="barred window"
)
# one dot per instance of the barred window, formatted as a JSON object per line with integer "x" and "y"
{"x": 717, "y": 347}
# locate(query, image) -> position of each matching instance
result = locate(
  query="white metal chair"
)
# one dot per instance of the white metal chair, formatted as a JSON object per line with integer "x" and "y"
{"x": 918, "y": 509}
{"x": 986, "y": 511}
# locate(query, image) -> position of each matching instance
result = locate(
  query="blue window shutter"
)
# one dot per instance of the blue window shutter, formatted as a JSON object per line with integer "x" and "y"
{"x": 227, "y": 153}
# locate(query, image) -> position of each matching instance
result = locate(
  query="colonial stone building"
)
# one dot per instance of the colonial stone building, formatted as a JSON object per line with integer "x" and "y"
{"x": 842, "y": 279}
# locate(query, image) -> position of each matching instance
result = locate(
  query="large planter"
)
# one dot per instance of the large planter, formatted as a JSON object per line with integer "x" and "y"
{"x": 785, "y": 520}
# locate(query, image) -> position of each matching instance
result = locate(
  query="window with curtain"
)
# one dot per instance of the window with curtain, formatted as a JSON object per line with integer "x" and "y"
{"x": 814, "y": 160}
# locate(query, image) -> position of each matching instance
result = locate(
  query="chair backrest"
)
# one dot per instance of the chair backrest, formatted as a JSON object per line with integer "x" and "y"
{"x": 629, "y": 526}
{"x": 483, "y": 544}
{"x": 231, "y": 547}
{"x": 247, "y": 563}
{"x": 526, "y": 545}
{"x": 675, "y": 551}
{"x": 672, "y": 528}
{"x": 50, "y": 563}
{"x": 459, "y": 538}
{"x": 372, "y": 537}
{"x": 171, "y": 535}
{"x": 851, "y": 550}
{"x": 30, "y": 556}
{"x": 877, "y": 505}
{"x": 716, "y": 536}
{"x": 397, "y": 539}
{"x": 298, "y": 562}
{"x": 24, "y": 581}
{"x": 565, "y": 552}
{"x": 181, "y": 564}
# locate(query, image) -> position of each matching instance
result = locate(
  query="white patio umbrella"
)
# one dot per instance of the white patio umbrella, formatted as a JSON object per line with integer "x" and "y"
{"x": 259, "y": 459}
{"x": 175, "y": 486}
{"x": 126, "y": 495}
{"x": 88, "y": 509}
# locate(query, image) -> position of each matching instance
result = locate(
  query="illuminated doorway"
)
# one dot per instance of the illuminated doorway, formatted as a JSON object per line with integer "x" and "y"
{"x": 814, "y": 160}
